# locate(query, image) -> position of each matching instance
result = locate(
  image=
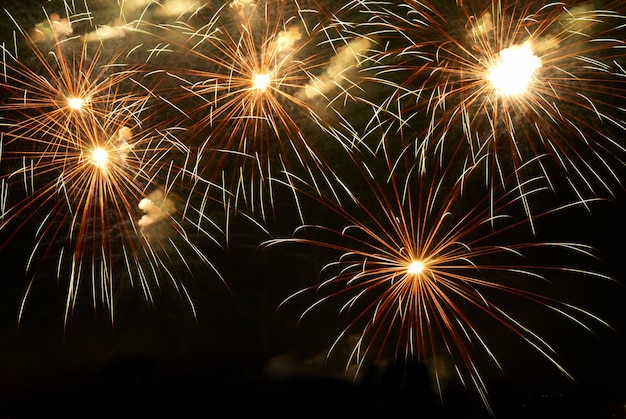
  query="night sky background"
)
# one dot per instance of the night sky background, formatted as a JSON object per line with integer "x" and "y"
{"x": 242, "y": 354}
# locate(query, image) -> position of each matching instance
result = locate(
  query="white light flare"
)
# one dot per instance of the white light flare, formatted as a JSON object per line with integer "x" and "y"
{"x": 513, "y": 72}
{"x": 100, "y": 157}
{"x": 415, "y": 267}
{"x": 261, "y": 82}
{"x": 75, "y": 103}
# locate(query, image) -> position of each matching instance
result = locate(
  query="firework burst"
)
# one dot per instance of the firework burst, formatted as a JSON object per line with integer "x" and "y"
{"x": 263, "y": 86}
{"x": 423, "y": 273}
{"x": 538, "y": 85}
{"x": 106, "y": 183}
{"x": 416, "y": 143}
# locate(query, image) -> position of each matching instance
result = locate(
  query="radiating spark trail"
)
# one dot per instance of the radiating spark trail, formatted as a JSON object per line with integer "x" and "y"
{"x": 456, "y": 69}
{"x": 421, "y": 266}
{"x": 257, "y": 89}
{"x": 80, "y": 154}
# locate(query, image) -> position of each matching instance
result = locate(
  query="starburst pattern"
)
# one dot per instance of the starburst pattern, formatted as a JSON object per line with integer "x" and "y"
{"x": 419, "y": 262}
{"x": 421, "y": 143}
{"x": 261, "y": 86}
{"x": 538, "y": 84}
{"x": 103, "y": 187}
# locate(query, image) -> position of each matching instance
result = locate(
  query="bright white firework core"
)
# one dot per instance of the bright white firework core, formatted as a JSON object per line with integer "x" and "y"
{"x": 75, "y": 103}
{"x": 261, "y": 81}
{"x": 513, "y": 72}
{"x": 415, "y": 267}
{"x": 99, "y": 157}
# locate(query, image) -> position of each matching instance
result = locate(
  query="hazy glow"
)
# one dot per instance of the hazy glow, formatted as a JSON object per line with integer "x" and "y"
{"x": 156, "y": 207}
{"x": 512, "y": 73}
{"x": 240, "y": 3}
{"x": 261, "y": 81}
{"x": 415, "y": 267}
{"x": 347, "y": 60}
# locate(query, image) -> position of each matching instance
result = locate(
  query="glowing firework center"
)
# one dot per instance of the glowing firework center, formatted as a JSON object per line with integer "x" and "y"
{"x": 75, "y": 103}
{"x": 514, "y": 70}
{"x": 99, "y": 157}
{"x": 261, "y": 82}
{"x": 116, "y": 149}
{"x": 416, "y": 267}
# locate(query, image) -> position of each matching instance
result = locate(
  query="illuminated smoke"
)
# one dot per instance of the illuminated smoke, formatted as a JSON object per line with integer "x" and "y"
{"x": 339, "y": 69}
{"x": 156, "y": 207}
